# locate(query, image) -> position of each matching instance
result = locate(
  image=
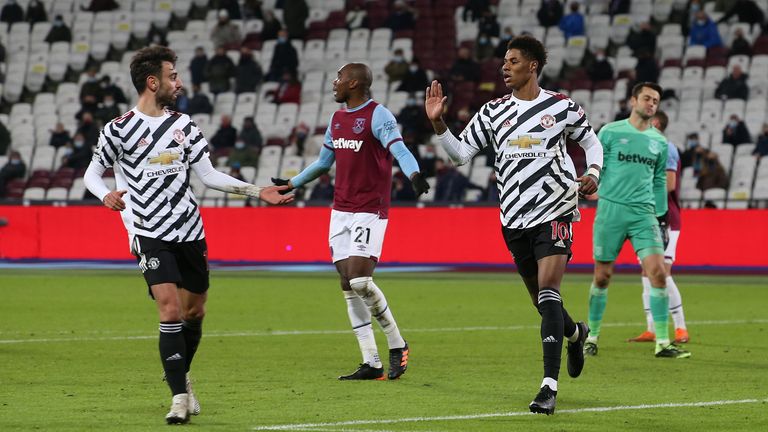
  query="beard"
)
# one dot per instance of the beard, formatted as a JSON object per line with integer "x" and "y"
{"x": 165, "y": 96}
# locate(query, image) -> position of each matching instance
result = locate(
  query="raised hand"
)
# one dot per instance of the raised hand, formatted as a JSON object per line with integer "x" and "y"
{"x": 276, "y": 195}
{"x": 114, "y": 200}
{"x": 434, "y": 102}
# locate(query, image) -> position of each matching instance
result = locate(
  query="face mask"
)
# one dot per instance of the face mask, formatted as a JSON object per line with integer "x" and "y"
{"x": 398, "y": 58}
{"x": 483, "y": 41}
{"x": 733, "y": 123}
{"x": 109, "y": 104}
{"x": 79, "y": 143}
{"x": 695, "y": 7}
{"x": 701, "y": 22}
{"x": 57, "y": 23}
{"x": 413, "y": 68}
{"x": 67, "y": 152}
{"x": 282, "y": 39}
{"x": 15, "y": 161}
{"x": 91, "y": 79}
{"x": 239, "y": 145}
{"x": 410, "y": 102}
{"x": 692, "y": 143}
{"x": 600, "y": 58}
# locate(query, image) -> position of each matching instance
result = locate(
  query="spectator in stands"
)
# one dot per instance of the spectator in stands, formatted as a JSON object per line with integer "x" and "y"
{"x": 488, "y": 24}
{"x": 272, "y": 26}
{"x": 78, "y": 155}
{"x": 734, "y": 86}
{"x": 761, "y": 149}
{"x": 401, "y": 189}
{"x": 690, "y": 157}
{"x": 357, "y": 17}
{"x": 234, "y": 171}
{"x": 451, "y": 185}
{"x": 295, "y": 14}
{"x": 91, "y": 86}
{"x": 243, "y": 155}
{"x": 11, "y": 12}
{"x": 501, "y": 47}
{"x": 248, "y": 74}
{"x": 415, "y": 79}
{"x": 600, "y": 69}
{"x": 746, "y": 11}
{"x": 108, "y": 88}
{"x": 736, "y": 132}
{"x": 740, "y": 44}
{"x": 323, "y": 190}
{"x": 89, "y": 106}
{"x": 646, "y": 69}
{"x": 474, "y": 9}
{"x": 411, "y": 117}
{"x": 623, "y": 112}
{"x": 428, "y": 160}
{"x": 618, "y": 7}
{"x": 550, "y": 13}
{"x": 59, "y": 136}
{"x": 298, "y": 137}
{"x": 182, "y": 102}
{"x": 59, "y": 31}
{"x": 704, "y": 31}
{"x": 231, "y": 6}
{"x": 225, "y": 33}
{"x": 199, "y": 102}
{"x": 226, "y": 136}
{"x": 36, "y": 12}
{"x": 198, "y": 65}
{"x": 465, "y": 68}
{"x": 484, "y": 49}
{"x": 573, "y": 23}
{"x": 89, "y": 130}
{"x": 642, "y": 39}
{"x": 397, "y": 67}
{"x": 5, "y": 138}
{"x": 289, "y": 90}
{"x": 2, "y": 59}
{"x": 712, "y": 173}
{"x": 284, "y": 58}
{"x": 401, "y": 18}
{"x": 107, "y": 111}
{"x": 13, "y": 169}
{"x": 252, "y": 9}
{"x": 220, "y": 70}
{"x": 101, "y": 6}
{"x": 250, "y": 133}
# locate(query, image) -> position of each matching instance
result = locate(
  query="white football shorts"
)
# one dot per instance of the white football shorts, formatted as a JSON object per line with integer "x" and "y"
{"x": 356, "y": 234}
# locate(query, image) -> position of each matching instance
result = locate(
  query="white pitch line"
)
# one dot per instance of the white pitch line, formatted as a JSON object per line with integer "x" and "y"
{"x": 322, "y": 426}
{"x": 335, "y": 332}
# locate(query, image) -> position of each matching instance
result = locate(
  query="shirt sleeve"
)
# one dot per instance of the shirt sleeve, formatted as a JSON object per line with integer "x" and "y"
{"x": 576, "y": 125}
{"x": 673, "y": 157}
{"x": 197, "y": 145}
{"x": 108, "y": 151}
{"x": 476, "y": 136}
{"x": 384, "y": 126}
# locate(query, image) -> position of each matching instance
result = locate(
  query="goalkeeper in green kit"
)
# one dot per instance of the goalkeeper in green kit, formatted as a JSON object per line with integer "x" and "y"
{"x": 633, "y": 205}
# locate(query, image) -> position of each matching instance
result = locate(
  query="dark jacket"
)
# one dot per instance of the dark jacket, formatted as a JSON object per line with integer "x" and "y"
{"x": 733, "y": 88}
{"x": 295, "y": 13}
{"x": 252, "y": 137}
{"x": 738, "y": 135}
{"x": 11, "y": 13}
{"x": 761, "y": 149}
{"x": 601, "y": 71}
{"x": 746, "y": 11}
{"x": 225, "y": 137}
{"x": 200, "y": 104}
{"x": 284, "y": 58}
{"x": 197, "y": 68}
{"x": 59, "y": 139}
{"x": 36, "y": 13}
{"x": 550, "y": 13}
{"x": 60, "y": 33}
{"x": 414, "y": 81}
{"x": 219, "y": 71}
{"x": 644, "y": 40}
{"x": 248, "y": 75}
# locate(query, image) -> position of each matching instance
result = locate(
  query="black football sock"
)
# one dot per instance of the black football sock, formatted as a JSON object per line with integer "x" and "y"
{"x": 172, "y": 354}
{"x": 551, "y": 309}
{"x": 192, "y": 331}
{"x": 569, "y": 327}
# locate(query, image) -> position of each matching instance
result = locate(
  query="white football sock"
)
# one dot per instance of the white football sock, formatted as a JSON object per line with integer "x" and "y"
{"x": 551, "y": 382}
{"x": 379, "y": 309}
{"x": 675, "y": 303}
{"x": 647, "y": 304}
{"x": 360, "y": 318}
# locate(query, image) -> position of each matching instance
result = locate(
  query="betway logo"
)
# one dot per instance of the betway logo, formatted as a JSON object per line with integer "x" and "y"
{"x": 341, "y": 143}
{"x": 634, "y": 158}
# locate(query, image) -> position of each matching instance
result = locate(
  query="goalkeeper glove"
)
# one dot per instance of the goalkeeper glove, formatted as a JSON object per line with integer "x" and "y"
{"x": 277, "y": 181}
{"x": 420, "y": 186}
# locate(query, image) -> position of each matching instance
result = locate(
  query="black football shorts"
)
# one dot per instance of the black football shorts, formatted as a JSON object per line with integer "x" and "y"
{"x": 528, "y": 245}
{"x": 185, "y": 263}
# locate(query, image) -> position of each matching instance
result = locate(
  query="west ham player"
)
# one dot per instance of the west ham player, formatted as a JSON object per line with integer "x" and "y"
{"x": 361, "y": 140}
{"x": 538, "y": 190}
{"x": 633, "y": 200}
{"x": 152, "y": 150}
{"x": 672, "y": 222}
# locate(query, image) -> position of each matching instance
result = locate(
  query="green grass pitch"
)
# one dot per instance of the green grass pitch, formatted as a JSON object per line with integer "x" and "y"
{"x": 78, "y": 351}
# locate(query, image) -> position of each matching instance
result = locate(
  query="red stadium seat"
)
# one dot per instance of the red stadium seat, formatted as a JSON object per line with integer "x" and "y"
{"x": 41, "y": 182}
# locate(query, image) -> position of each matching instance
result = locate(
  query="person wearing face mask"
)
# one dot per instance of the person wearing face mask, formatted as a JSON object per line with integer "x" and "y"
{"x": 501, "y": 47}
{"x": 107, "y": 111}
{"x": 734, "y": 86}
{"x": 415, "y": 79}
{"x": 484, "y": 49}
{"x": 11, "y": 12}
{"x": 688, "y": 156}
{"x": 284, "y": 57}
{"x": 36, "y": 12}
{"x": 59, "y": 31}
{"x": 59, "y": 136}
{"x": 91, "y": 86}
{"x": 411, "y": 117}
{"x": 80, "y": 155}
{"x": 13, "y": 169}
{"x": 642, "y": 39}
{"x": 243, "y": 155}
{"x": 601, "y": 69}
{"x": 397, "y": 67}
{"x": 736, "y": 132}
{"x": 109, "y": 88}
{"x": 704, "y": 31}
{"x": 488, "y": 24}
{"x": 88, "y": 129}
{"x": 761, "y": 148}
{"x": 225, "y": 33}
{"x": 295, "y": 14}
{"x": 550, "y": 13}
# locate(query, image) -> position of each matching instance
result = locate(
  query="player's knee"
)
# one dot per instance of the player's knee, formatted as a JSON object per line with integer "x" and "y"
{"x": 360, "y": 285}
{"x": 170, "y": 311}
{"x": 344, "y": 282}
{"x": 194, "y": 313}
{"x": 602, "y": 279}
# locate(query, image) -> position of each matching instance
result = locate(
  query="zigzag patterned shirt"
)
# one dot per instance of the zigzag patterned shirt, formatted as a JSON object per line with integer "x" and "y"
{"x": 535, "y": 176}
{"x": 151, "y": 157}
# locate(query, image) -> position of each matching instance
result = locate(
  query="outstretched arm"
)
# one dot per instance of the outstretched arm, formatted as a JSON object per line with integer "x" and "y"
{"x": 460, "y": 151}
{"x": 218, "y": 180}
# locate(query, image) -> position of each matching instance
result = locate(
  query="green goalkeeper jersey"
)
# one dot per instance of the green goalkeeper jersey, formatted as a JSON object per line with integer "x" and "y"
{"x": 634, "y": 166}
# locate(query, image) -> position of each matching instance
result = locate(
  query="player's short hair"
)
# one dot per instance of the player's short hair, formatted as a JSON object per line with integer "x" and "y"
{"x": 149, "y": 62}
{"x": 663, "y": 119}
{"x": 531, "y": 48}
{"x": 639, "y": 87}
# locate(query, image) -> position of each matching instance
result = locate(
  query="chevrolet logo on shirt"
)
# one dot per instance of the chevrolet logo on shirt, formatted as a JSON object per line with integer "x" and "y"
{"x": 165, "y": 158}
{"x": 524, "y": 142}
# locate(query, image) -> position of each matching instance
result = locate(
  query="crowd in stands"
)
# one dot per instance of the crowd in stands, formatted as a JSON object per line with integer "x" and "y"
{"x": 463, "y": 50}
